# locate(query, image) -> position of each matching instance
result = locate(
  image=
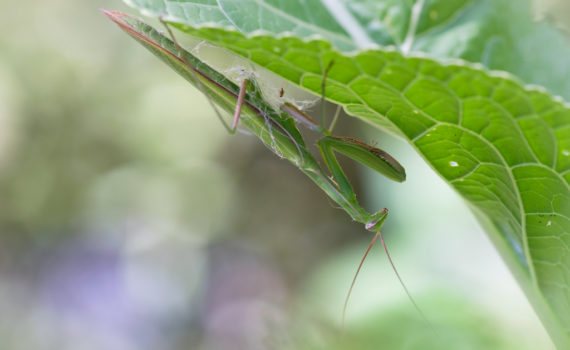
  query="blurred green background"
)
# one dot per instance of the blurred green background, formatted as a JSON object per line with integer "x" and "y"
{"x": 129, "y": 219}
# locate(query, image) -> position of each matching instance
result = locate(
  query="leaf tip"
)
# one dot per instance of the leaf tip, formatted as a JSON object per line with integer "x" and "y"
{"x": 115, "y": 16}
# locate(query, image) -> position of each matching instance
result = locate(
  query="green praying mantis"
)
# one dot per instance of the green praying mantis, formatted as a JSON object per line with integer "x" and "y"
{"x": 277, "y": 129}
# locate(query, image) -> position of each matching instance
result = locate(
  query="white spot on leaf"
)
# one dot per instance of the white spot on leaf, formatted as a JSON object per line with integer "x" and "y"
{"x": 453, "y": 164}
{"x": 549, "y": 223}
{"x": 565, "y": 152}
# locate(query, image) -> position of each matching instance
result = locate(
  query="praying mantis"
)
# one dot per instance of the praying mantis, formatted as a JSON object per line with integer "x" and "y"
{"x": 277, "y": 129}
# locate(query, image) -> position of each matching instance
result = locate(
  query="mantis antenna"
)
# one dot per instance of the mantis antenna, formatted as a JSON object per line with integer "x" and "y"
{"x": 412, "y": 300}
{"x": 354, "y": 280}
{"x": 418, "y": 309}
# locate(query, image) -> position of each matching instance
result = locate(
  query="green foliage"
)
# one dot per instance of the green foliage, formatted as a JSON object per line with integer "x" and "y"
{"x": 503, "y": 146}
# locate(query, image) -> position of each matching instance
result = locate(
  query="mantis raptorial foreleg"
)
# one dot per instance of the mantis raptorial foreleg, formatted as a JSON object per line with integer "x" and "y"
{"x": 367, "y": 155}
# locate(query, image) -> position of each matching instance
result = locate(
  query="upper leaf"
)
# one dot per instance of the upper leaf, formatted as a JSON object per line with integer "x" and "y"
{"x": 474, "y": 30}
{"x": 273, "y": 16}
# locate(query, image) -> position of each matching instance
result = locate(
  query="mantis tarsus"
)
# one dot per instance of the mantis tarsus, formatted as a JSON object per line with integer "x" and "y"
{"x": 277, "y": 129}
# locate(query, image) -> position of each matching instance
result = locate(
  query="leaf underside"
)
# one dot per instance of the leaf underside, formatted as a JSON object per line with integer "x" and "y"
{"x": 503, "y": 146}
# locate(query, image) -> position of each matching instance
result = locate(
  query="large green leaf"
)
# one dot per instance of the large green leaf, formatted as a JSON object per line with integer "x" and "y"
{"x": 503, "y": 146}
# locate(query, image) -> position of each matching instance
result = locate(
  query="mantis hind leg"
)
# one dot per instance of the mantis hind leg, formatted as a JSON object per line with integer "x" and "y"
{"x": 230, "y": 129}
{"x": 328, "y": 130}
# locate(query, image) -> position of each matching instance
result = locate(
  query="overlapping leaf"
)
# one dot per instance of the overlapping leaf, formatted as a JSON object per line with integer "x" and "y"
{"x": 501, "y": 34}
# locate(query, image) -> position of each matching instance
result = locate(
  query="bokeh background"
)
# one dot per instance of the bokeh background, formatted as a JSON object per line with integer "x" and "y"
{"x": 129, "y": 219}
